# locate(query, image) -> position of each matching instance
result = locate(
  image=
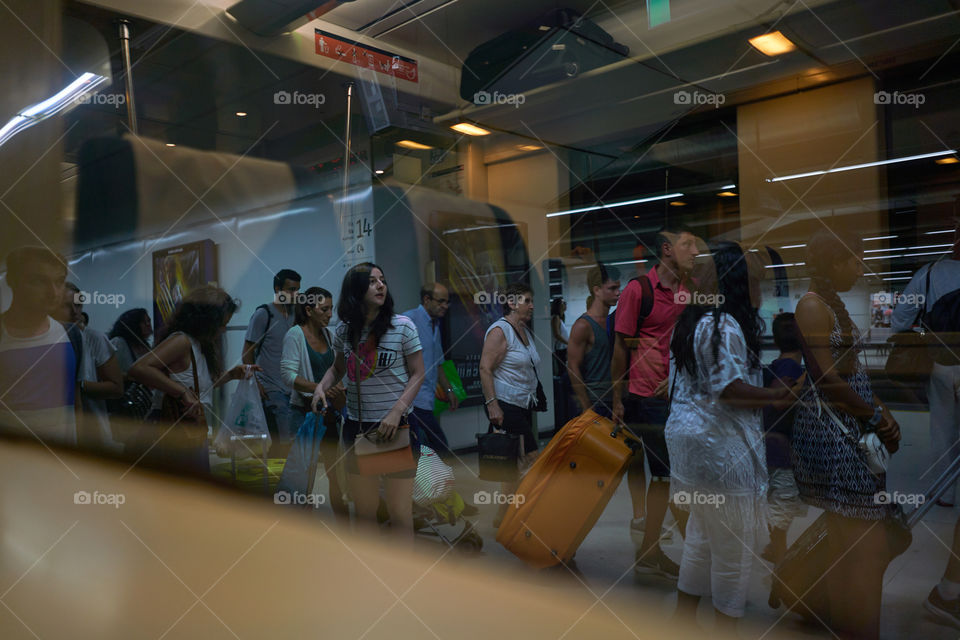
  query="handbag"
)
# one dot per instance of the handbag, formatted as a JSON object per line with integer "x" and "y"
{"x": 911, "y": 356}
{"x": 875, "y": 453}
{"x": 499, "y": 455}
{"x": 377, "y": 455}
{"x": 187, "y": 430}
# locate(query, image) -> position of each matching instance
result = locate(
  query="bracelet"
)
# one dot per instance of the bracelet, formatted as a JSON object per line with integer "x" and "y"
{"x": 449, "y": 389}
{"x": 489, "y": 401}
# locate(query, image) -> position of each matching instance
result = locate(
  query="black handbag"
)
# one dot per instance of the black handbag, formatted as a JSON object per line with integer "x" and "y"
{"x": 499, "y": 455}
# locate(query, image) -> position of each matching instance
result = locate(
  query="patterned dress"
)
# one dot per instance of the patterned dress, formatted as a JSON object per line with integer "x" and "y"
{"x": 830, "y": 469}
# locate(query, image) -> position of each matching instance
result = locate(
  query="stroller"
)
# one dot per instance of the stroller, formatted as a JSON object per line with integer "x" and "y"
{"x": 438, "y": 509}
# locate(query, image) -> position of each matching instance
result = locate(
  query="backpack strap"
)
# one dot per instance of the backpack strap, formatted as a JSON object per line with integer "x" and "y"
{"x": 646, "y": 308}
{"x": 76, "y": 341}
{"x": 266, "y": 308}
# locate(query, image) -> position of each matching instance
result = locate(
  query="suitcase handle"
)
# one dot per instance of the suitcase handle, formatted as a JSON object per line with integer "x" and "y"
{"x": 630, "y": 438}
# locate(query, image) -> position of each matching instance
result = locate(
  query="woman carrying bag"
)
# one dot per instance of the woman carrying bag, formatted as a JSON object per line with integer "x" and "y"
{"x": 307, "y": 354}
{"x": 185, "y": 367}
{"x": 832, "y": 472}
{"x": 508, "y": 375}
{"x": 380, "y": 354}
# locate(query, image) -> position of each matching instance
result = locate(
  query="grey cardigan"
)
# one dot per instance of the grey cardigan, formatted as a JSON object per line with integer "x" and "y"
{"x": 295, "y": 361}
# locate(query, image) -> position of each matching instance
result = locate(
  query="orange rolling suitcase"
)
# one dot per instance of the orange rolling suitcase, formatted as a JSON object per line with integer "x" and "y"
{"x": 566, "y": 490}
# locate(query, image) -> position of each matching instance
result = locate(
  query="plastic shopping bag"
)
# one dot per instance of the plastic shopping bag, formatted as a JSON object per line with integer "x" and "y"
{"x": 434, "y": 479}
{"x": 301, "y": 465}
{"x": 242, "y": 433}
{"x": 440, "y": 403}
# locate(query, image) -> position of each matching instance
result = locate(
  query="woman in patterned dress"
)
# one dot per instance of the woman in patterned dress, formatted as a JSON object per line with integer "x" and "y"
{"x": 831, "y": 471}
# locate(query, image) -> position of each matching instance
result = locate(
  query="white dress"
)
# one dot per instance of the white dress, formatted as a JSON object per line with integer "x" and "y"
{"x": 717, "y": 468}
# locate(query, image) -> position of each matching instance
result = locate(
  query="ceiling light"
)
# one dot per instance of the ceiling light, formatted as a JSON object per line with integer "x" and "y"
{"x": 379, "y": 172}
{"x": 678, "y": 203}
{"x": 949, "y": 160}
{"x": 170, "y": 144}
{"x": 410, "y": 144}
{"x": 470, "y": 129}
{"x": 931, "y": 233}
{"x": 241, "y": 114}
{"x": 879, "y": 238}
{"x": 861, "y": 166}
{"x": 772, "y": 44}
{"x": 616, "y": 204}
{"x": 898, "y": 278}
{"x": 728, "y": 186}
{"x": 727, "y": 194}
{"x": 528, "y": 147}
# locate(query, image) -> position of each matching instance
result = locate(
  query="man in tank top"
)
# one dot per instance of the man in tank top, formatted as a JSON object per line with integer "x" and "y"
{"x": 589, "y": 349}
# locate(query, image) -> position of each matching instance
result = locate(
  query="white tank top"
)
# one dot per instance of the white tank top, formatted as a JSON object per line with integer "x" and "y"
{"x": 515, "y": 379}
{"x": 185, "y": 378}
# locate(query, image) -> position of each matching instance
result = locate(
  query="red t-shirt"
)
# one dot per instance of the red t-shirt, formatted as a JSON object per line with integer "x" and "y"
{"x": 650, "y": 361}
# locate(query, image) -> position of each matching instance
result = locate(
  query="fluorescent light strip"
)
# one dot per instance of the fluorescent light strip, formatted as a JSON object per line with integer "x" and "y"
{"x": 862, "y": 166}
{"x": 880, "y": 238}
{"x": 926, "y": 246}
{"x": 785, "y": 264}
{"x": 793, "y": 246}
{"x": 63, "y": 99}
{"x": 930, "y": 233}
{"x": 728, "y": 186}
{"x": 627, "y": 262}
{"x": 615, "y": 204}
{"x": 925, "y": 253}
{"x": 889, "y": 273}
{"x": 897, "y": 278}
{"x": 882, "y": 257}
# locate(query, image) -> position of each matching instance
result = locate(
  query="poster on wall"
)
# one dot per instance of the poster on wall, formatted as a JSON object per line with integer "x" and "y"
{"x": 477, "y": 258}
{"x": 176, "y": 272}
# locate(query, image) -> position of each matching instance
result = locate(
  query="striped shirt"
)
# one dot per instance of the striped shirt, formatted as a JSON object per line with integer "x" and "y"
{"x": 37, "y": 385}
{"x": 381, "y": 373}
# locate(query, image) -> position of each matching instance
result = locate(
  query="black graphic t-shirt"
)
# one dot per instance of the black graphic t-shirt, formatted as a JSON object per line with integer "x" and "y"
{"x": 381, "y": 371}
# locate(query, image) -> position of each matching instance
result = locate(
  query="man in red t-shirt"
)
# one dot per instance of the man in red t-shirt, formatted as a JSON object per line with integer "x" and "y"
{"x": 645, "y": 343}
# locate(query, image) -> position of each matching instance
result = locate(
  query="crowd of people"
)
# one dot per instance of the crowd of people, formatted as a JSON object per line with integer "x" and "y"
{"x": 735, "y": 448}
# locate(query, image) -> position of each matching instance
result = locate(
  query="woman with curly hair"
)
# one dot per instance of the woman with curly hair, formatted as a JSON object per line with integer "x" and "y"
{"x": 830, "y": 469}
{"x": 192, "y": 338}
{"x": 714, "y": 436}
{"x": 130, "y": 336}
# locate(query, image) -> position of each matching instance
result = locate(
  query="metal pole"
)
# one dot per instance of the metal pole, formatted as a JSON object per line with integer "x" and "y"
{"x": 346, "y": 141}
{"x": 127, "y": 71}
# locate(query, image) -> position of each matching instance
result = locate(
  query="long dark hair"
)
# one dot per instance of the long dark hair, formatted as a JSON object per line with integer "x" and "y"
{"x": 352, "y": 308}
{"x": 308, "y": 300}
{"x": 200, "y": 315}
{"x": 733, "y": 284}
{"x": 127, "y": 327}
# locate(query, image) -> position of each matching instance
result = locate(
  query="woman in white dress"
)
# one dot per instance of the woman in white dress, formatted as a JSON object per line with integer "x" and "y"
{"x": 715, "y": 437}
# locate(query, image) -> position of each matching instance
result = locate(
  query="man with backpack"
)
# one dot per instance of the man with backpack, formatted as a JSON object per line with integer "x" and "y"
{"x": 940, "y": 304}
{"x": 39, "y": 360}
{"x": 263, "y": 345}
{"x": 646, "y": 314}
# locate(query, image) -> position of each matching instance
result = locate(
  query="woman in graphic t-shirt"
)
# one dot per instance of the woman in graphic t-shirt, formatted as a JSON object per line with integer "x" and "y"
{"x": 381, "y": 355}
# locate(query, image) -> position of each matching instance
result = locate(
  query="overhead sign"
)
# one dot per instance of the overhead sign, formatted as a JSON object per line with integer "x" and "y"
{"x": 658, "y": 12}
{"x": 354, "y": 53}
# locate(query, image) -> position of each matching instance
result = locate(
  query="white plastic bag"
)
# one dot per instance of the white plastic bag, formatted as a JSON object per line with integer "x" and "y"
{"x": 242, "y": 433}
{"x": 434, "y": 480}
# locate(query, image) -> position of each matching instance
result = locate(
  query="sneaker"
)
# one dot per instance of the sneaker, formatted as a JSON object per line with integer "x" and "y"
{"x": 638, "y": 525}
{"x": 946, "y": 611}
{"x": 656, "y": 563}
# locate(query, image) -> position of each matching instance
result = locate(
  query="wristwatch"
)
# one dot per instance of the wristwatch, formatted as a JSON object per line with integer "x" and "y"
{"x": 877, "y": 416}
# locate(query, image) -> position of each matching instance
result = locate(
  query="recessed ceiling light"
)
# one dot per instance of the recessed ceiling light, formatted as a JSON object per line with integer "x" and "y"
{"x": 948, "y": 160}
{"x": 241, "y": 114}
{"x": 410, "y": 144}
{"x": 529, "y": 147}
{"x": 677, "y": 203}
{"x": 772, "y": 44}
{"x": 727, "y": 194}
{"x": 728, "y": 186}
{"x": 470, "y": 129}
{"x": 379, "y": 171}
{"x": 170, "y": 144}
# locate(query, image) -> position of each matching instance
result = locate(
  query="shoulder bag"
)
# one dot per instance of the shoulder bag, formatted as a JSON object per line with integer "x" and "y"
{"x": 188, "y": 431}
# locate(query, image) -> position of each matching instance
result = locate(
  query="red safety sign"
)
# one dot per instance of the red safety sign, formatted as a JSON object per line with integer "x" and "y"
{"x": 350, "y": 52}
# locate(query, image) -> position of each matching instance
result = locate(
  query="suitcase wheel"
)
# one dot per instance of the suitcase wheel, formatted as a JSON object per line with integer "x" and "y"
{"x": 600, "y": 483}
{"x": 573, "y": 465}
{"x": 526, "y": 533}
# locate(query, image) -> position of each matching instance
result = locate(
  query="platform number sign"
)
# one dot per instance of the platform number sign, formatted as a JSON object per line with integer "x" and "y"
{"x": 358, "y": 238}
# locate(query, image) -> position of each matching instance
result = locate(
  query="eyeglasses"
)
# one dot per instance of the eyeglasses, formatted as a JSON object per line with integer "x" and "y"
{"x": 440, "y": 300}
